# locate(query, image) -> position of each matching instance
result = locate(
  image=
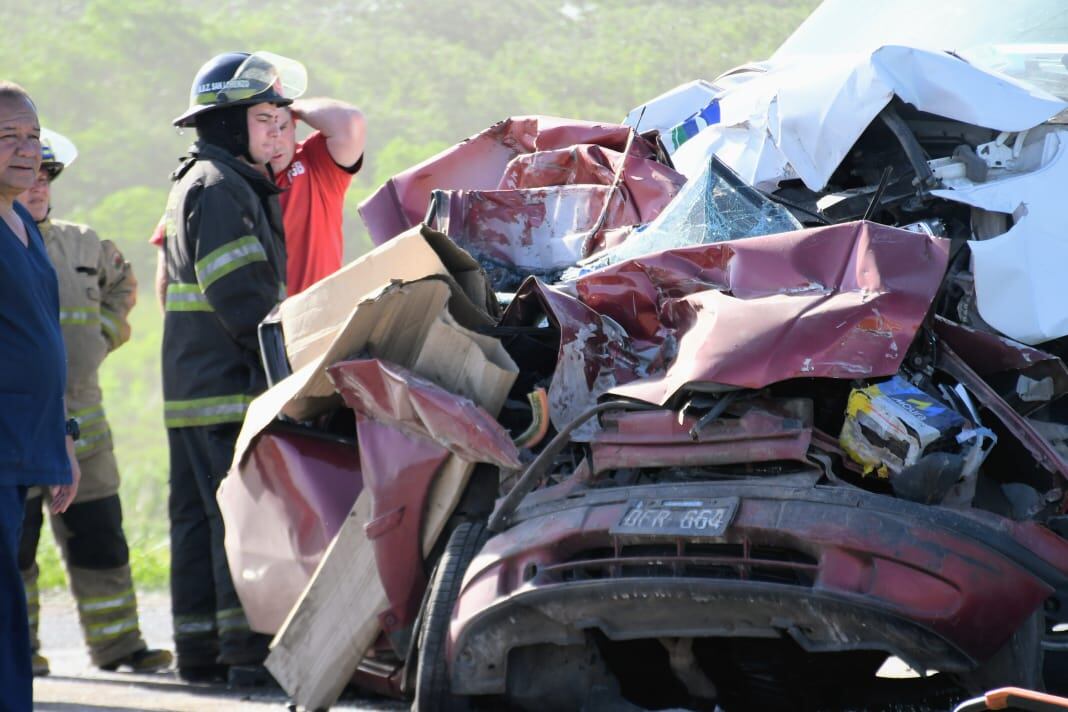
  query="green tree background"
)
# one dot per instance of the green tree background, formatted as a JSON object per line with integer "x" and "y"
{"x": 111, "y": 74}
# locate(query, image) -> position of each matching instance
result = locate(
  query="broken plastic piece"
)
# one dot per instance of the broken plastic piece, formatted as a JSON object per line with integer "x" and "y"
{"x": 983, "y": 441}
{"x": 1030, "y": 390}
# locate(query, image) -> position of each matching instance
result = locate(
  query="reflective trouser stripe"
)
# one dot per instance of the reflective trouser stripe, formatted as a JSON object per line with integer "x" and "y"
{"x": 108, "y": 617}
{"x": 110, "y": 324}
{"x": 186, "y": 297}
{"x": 205, "y": 411}
{"x": 231, "y": 619}
{"x": 126, "y": 599}
{"x": 105, "y": 631}
{"x": 78, "y": 316}
{"x": 185, "y": 626}
{"x": 222, "y": 261}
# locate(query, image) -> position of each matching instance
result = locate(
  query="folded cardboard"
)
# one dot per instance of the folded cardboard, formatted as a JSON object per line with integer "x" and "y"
{"x": 311, "y": 319}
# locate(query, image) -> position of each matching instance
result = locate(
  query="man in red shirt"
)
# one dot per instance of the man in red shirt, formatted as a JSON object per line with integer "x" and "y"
{"x": 314, "y": 174}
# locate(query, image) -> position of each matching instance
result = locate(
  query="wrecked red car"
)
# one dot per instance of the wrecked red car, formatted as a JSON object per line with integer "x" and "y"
{"x": 849, "y": 457}
{"x": 773, "y": 405}
{"x": 714, "y": 541}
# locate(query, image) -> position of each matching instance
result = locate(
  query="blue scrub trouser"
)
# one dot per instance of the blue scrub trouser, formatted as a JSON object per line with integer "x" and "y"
{"x": 16, "y": 678}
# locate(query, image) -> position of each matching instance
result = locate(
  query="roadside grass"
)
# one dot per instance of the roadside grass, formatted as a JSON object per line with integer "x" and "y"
{"x": 133, "y": 401}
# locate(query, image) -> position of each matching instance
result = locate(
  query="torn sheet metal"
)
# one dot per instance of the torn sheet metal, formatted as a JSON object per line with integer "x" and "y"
{"x": 393, "y": 395}
{"x": 552, "y": 209}
{"x": 800, "y": 118}
{"x": 536, "y": 230}
{"x": 479, "y": 163}
{"x": 1021, "y": 428}
{"x": 594, "y": 355}
{"x": 990, "y": 353}
{"x": 758, "y": 431}
{"x": 398, "y": 468}
{"x": 281, "y": 510}
{"x": 647, "y": 186}
{"x": 1019, "y": 277}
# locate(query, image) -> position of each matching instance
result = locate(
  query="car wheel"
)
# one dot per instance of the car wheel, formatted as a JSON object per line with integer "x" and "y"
{"x": 1018, "y": 663}
{"x": 432, "y": 689}
{"x": 1055, "y": 647}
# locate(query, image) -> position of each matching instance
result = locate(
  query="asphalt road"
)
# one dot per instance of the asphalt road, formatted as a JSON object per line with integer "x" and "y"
{"x": 76, "y": 686}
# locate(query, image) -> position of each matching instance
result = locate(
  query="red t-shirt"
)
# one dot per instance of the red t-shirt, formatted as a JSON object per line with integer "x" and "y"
{"x": 313, "y": 194}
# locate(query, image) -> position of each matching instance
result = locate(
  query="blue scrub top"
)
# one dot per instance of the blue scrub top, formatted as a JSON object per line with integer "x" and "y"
{"x": 33, "y": 370}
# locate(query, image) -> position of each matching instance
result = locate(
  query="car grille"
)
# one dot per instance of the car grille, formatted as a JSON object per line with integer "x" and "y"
{"x": 742, "y": 562}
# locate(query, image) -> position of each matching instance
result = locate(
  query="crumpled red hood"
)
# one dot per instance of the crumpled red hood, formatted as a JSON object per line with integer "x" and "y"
{"x": 843, "y": 301}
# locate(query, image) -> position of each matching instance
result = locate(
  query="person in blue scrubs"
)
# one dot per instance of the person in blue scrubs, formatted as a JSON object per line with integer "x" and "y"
{"x": 36, "y": 443}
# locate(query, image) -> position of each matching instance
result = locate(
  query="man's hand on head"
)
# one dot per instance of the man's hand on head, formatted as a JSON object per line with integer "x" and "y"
{"x": 342, "y": 124}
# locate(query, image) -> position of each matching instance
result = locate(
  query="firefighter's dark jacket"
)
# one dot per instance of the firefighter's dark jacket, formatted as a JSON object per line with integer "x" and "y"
{"x": 225, "y": 256}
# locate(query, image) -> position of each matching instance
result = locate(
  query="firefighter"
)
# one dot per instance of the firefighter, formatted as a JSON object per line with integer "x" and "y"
{"x": 97, "y": 289}
{"x": 225, "y": 270}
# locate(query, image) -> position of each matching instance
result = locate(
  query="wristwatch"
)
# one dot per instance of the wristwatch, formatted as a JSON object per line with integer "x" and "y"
{"x": 72, "y": 429}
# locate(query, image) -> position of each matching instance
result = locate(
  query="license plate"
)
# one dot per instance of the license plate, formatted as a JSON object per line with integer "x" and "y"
{"x": 677, "y": 517}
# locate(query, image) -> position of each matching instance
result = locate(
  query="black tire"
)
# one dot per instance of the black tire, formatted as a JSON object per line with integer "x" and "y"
{"x": 1056, "y": 663}
{"x": 1018, "y": 664}
{"x": 432, "y": 688}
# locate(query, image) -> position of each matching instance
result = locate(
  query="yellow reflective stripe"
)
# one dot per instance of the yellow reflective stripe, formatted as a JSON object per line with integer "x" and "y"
{"x": 222, "y": 261}
{"x": 232, "y": 619}
{"x": 107, "y": 603}
{"x": 86, "y": 414}
{"x": 78, "y": 316}
{"x": 186, "y": 297}
{"x": 205, "y": 411}
{"x": 93, "y": 427}
{"x": 110, "y": 324}
{"x": 193, "y": 625}
{"x": 106, "y": 631}
{"x": 83, "y": 446}
{"x": 88, "y": 417}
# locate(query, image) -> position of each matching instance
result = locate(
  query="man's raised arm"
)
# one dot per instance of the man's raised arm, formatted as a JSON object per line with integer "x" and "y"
{"x": 342, "y": 124}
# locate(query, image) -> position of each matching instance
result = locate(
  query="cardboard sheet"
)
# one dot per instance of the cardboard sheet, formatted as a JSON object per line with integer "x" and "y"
{"x": 391, "y": 324}
{"x": 311, "y": 319}
{"x": 476, "y": 366}
{"x": 412, "y": 324}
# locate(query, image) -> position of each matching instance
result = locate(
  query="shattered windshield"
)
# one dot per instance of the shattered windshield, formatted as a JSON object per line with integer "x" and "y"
{"x": 715, "y": 207}
{"x": 1025, "y": 39}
